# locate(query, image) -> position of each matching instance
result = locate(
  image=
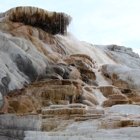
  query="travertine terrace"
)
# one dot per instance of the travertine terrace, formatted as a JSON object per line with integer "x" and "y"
{"x": 55, "y": 87}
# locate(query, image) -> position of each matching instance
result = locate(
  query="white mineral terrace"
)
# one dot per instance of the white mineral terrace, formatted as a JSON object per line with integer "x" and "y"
{"x": 108, "y": 124}
{"x": 86, "y": 131}
{"x": 52, "y": 69}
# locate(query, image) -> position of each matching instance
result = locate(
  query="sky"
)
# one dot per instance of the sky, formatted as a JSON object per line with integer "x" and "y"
{"x": 99, "y": 22}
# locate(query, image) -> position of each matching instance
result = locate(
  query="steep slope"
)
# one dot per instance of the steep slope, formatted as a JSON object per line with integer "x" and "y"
{"x": 52, "y": 79}
{"x": 122, "y": 54}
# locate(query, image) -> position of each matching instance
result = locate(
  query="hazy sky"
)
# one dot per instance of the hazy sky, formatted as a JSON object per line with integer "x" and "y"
{"x": 95, "y": 21}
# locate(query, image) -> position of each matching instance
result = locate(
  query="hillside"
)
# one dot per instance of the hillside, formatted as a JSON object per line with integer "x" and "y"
{"x": 63, "y": 88}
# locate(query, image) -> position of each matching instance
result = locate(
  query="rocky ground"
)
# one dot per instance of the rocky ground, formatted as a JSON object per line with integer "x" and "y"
{"x": 53, "y": 86}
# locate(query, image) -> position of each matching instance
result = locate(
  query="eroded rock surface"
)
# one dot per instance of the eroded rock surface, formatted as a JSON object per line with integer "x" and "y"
{"x": 50, "y": 22}
{"x": 63, "y": 88}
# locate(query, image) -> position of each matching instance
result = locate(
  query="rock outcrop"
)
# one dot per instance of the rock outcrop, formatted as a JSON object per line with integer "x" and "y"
{"x": 50, "y": 22}
{"x": 63, "y": 88}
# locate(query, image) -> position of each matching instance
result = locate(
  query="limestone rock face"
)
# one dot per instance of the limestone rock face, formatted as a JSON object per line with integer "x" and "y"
{"x": 55, "y": 86}
{"x": 122, "y": 76}
{"x": 51, "y": 22}
{"x": 122, "y": 55}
